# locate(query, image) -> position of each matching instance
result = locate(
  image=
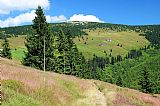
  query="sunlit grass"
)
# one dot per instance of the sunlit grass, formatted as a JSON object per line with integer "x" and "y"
{"x": 128, "y": 40}
{"x": 18, "y": 54}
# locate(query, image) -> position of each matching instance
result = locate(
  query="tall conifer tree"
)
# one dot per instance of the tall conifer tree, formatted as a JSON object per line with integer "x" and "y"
{"x": 112, "y": 60}
{"x": 35, "y": 44}
{"x": 6, "y": 51}
{"x": 62, "y": 62}
{"x": 145, "y": 82}
{"x": 69, "y": 60}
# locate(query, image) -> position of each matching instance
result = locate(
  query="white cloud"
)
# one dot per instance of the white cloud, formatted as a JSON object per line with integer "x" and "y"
{"x": 60, "y": 18}
{"x": 6, "y": 6}
{"x": 27, "y": 18}
{"x": 22, "y": 18}
{"x": 81, "y": 17}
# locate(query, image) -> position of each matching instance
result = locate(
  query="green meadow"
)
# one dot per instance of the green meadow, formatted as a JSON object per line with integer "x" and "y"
{"x": 96, "y": 42}
{"x": 99, "y": 41}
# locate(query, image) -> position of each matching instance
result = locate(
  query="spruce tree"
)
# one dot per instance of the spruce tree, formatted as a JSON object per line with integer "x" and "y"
{"x": 119, "y": 58}
{"x": 145, "y": 82}
{"x": 80, "y": 65}
{"x": 112, "y": 60}
{"x": 69, "y": 60}
{"x": 6, "y": 51}
{"x": 35, "y": 44}
{"x": 107, "y": 60}
{"x": 62, "y": 62}
{"x": 119, "y": 81}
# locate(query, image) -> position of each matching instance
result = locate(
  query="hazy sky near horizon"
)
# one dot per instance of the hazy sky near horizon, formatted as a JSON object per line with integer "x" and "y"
{"x": 131, "y": 12}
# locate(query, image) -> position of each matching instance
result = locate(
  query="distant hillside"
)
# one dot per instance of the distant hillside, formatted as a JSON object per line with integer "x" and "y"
{"x": 151, "y": 32}
{"x": 106, "y": 42}
{"x": 98, "y": 42}
{"x": 27, "y": 29}
{"x": 25, "y": 86}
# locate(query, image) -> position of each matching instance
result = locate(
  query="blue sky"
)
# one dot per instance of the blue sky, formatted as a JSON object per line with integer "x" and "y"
{"x": 132, "y": 12}
{"x": 114, "y": 11}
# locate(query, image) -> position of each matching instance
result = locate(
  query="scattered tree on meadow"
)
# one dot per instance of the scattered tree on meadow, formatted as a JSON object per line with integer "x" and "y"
{"x": 111, "y": 50}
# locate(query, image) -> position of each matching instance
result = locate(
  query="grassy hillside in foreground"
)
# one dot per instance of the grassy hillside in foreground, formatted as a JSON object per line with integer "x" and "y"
{"x": 96, "y": 43}
{"x": 23, "y": 86}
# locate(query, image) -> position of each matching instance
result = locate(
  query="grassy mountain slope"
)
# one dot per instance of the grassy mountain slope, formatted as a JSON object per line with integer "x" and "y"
{"x": 96, "y": 43}
{"x": 23, "y": 86}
